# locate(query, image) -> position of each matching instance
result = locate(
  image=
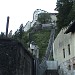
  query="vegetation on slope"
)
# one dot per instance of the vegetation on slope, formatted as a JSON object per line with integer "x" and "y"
{"x": 41, "y": 38}
{"x": 36, "y": 33}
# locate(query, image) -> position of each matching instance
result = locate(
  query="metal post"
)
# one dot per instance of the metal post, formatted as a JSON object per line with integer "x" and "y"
{"x": 7, "y": 25}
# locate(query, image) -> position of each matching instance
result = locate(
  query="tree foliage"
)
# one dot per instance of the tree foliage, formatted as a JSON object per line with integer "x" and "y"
{"x": 19, "y": 33}
{"x": 21, "y": 36}
{"x": 63, "y": 7}
{"x": 2, "y": 35}
{"x": 44, "y": 18}
{"x": 71, "y": 15}
{"x": 42, "y": 38}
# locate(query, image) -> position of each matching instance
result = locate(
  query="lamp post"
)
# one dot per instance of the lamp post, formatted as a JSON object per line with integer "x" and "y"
{"x": 32, "y": 46}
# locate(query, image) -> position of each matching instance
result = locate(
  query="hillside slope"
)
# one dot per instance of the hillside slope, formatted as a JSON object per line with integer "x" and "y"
{"x": 41, "y": 38}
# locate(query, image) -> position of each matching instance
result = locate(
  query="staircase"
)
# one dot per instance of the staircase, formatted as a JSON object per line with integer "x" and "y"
{"x": 44, "y": 64}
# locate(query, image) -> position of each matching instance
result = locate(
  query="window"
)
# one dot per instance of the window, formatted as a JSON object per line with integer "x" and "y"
{"x": 58, "y": 67}
{"x": 74, "y": 66}
{"x": 69, "y": 67}
{"x": 64, "y": 53}
{"x": 69, "y": 49}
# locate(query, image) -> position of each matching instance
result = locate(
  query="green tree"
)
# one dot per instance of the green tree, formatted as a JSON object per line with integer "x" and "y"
{"x": 63, "y": 7}
{"x": 19, "y": 33}
{"x": 44, "y": 18}
{"x": 21, "y": 36}
{"x": 16, "y": 34}
{"x": 25, "y": 39}
{"x": 2, "y": 35}
{"x": 71, "y": 15}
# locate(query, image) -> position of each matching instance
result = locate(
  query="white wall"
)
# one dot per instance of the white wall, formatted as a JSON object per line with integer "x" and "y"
{"x": 61, "y": 42}
{"x": 27, "y": 26}
{"x": 53, "y": 17}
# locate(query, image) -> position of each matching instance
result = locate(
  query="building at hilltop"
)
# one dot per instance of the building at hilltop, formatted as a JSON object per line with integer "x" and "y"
{"x": 35, "y": 17}
{"x": 38, "y": 11}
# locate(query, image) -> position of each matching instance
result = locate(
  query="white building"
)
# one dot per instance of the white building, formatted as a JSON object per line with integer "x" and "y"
{"x": 64, "y": 50}
{"x": 38, "y": 11}
{"x": 53, "y": 21}
{"x": 53, "y": 17}
{"x": 35, "y": 15}
{"x": 27, "y": 26}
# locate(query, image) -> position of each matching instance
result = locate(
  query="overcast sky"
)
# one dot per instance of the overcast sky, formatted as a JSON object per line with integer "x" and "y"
{"x": 21, "y": 11}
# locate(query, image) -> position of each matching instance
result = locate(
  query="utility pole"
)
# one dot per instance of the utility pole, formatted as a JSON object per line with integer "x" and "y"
{"x": 7, "y": 25}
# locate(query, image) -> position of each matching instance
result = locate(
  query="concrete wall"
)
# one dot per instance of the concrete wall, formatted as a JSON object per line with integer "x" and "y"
{"x": 61, "y": 42}
{"x": 53, "y": 17}
{"x": 15, "y": 59}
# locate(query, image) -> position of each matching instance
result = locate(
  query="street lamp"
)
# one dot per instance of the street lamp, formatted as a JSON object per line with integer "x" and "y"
{"x": 32, "y": 46}
{"x": 34, "y": 49}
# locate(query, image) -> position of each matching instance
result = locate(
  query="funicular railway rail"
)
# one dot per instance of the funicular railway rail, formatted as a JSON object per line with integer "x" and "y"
{"x": 15, "y": 59}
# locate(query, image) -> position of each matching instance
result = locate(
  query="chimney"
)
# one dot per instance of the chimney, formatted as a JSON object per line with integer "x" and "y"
{"x": 7, "y": 25}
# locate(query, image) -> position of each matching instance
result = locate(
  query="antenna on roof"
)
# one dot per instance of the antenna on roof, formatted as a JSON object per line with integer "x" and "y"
{"x": 7, "y": 25}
